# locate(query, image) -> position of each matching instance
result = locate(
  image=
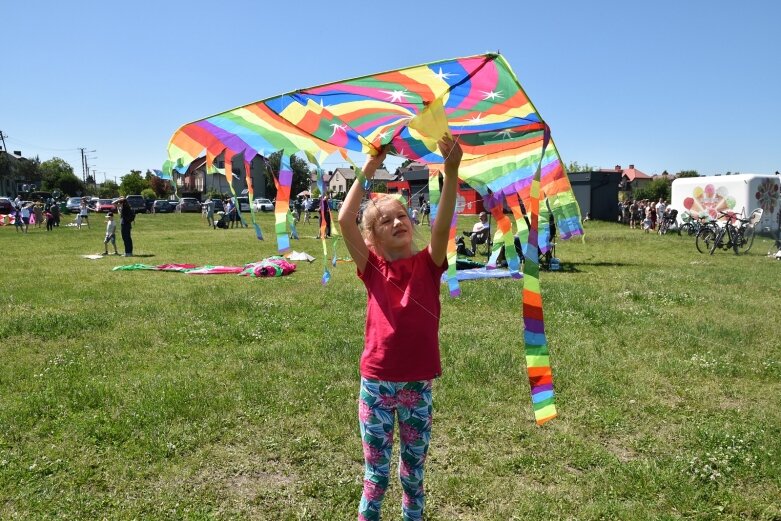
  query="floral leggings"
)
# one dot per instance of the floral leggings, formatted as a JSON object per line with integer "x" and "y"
{"x": 379, "y": 402}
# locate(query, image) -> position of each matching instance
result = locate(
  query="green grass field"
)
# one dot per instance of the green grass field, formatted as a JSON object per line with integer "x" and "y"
{"x": 148, "y": 395}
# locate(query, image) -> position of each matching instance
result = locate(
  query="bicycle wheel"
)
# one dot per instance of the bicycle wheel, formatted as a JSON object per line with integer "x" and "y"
{"x": 716, "y": 242}
{"x": 746, "y": 239}
{"x": 705, "y": 238}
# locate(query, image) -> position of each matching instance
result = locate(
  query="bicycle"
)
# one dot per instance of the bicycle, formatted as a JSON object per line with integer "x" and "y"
{"x": 669, "y": 220}
{"x": 706, "y": 234}
{"x": 691, "y": 225}
{"x": 738, "y": 238}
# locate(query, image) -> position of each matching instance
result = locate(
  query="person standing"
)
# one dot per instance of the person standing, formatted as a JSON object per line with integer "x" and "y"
{"x": 660, "y": 208}
{"x": 83, "y": 213}
{"x": 25, "y": 215}
{"x": 55, "y": 210}
{"x": 126, "y": 218}
{"x": 400, "y": 357}
{"x": 210, "y": 212}
{"x": 38, "y": 212}
{"x": 111, "y": 228}
{"x": 325, "y": 210}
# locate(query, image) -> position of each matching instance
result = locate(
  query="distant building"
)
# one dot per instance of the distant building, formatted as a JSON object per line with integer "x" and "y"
{"x": 11, "y": 177}
{"x": 196, "y": 180}
{"x": 597, "y": 193}
{"x": 342, "y": 178}
{"x": 632, "y": 178}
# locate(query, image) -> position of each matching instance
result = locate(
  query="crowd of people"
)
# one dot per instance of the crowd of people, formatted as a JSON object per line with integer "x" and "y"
{"x": 643, "y": 213}
{"x": 38, "y": 213}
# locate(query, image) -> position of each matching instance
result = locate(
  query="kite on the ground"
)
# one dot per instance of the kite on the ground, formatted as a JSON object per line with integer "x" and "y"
{"x": 509, "y": 157}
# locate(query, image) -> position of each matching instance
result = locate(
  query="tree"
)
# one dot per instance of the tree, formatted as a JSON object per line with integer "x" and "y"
{"x": 160, "y": 186}
{"x": 30, "y": 170}
{"x": 658, "y": 188}
{"x": 300, "y": 175}
{"x": 56, "y": 174}
{"x": 687, "y": 173}
{"x": 108, "y": 190}
{"x": 132, "y": 183}
{"x": 574, "y": 166}
{"x": 148, "y": 193}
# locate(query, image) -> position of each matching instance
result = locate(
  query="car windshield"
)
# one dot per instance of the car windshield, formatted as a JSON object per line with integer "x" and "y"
{"x": 105, "y": 201}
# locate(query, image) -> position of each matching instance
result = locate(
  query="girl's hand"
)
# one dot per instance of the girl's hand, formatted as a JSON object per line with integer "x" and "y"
{"x": 374, "y": 162}
{"x": 452, "y": 153}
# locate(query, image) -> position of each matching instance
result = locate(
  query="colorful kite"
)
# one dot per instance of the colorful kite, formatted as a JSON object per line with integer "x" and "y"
{"x": 478, "y": 100}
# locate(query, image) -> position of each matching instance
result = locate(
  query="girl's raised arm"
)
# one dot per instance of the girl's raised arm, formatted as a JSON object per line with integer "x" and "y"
{"x": 440, "y": 231}
{"x": 348, "y": 214}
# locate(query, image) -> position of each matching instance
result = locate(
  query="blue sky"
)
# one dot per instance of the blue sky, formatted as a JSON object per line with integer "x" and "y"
{"x": 665, "y": 85}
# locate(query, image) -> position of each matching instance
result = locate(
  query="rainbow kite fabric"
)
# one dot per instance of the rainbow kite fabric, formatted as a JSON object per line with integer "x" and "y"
{"x": 478, "y": 100}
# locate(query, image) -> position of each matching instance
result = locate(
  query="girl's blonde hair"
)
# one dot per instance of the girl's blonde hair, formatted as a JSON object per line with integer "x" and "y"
{"x": 370, "y": 216}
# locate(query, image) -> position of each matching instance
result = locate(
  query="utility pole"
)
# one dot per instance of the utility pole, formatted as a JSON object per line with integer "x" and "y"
{"x": 83, "y": 166}
{"x": 2, "y": 138}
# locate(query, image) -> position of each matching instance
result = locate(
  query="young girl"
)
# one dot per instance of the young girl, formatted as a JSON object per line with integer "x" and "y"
{"x": 401, "y": 351}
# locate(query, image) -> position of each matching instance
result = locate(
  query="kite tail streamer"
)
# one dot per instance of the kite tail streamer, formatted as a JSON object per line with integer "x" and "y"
{"x": 434, "y": 196}
{"x": 452, "y": 280}
{"x": 251, "y": 193}
{"x": 282, "y": 207}
{"x": 504, "y": 236}
{"x": 433, "y": 193}
{"x": 521, "y": 221}
{"x": 321, "y": 186}
{"x": 536, "y": 344}
{"x": 229, "y": 176}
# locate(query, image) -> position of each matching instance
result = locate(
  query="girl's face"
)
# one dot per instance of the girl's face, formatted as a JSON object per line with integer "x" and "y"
{"x": 393, "y": 229}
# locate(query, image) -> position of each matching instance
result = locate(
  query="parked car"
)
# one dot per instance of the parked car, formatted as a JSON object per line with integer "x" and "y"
{"x": 104, "y": 205}
{"x": 263, "y": 205}
{"x": 6, "y": 205}
{"x": 137, "y": 203}
{"x": 189, "y": 204}
{"x": 73, "y": 204}
{"x": 162, "y": 206}
{"x": 243, "y": 204}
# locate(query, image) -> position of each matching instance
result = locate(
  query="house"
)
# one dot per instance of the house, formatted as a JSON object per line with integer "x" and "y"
{"x": 341, "y": 179}
{"x": 632, "y": 178}
{"x": 11, "y": 178}
{"x": 196, "y": 180}
{"x": 412, "y": 182}
{"x": 326, "y": 180}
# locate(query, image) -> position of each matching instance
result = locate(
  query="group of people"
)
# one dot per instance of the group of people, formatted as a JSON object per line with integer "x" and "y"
{"x": 39, "y": 212}
{"x": 420, "y": 215}
{"x": 643, "y": 213}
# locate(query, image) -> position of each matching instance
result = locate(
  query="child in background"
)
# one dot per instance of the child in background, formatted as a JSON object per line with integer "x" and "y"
{"x": 111, "y": 228}
{"x": 648, "y": 223}
{"x": 49, "y": 220}
{"x": 401, "y": 350}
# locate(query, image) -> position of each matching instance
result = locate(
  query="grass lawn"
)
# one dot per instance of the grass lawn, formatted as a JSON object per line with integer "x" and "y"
{"x": 149, "y": 395}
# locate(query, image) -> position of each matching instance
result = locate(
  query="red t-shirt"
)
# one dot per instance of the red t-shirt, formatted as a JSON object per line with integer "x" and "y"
{"x": 402, "y": 318}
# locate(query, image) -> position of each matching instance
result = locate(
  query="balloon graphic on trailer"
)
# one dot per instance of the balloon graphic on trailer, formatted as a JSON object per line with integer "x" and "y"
{"x": 509, "y": 156}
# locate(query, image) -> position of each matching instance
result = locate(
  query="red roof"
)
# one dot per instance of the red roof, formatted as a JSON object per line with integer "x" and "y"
{"x": 633, "y": 173}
